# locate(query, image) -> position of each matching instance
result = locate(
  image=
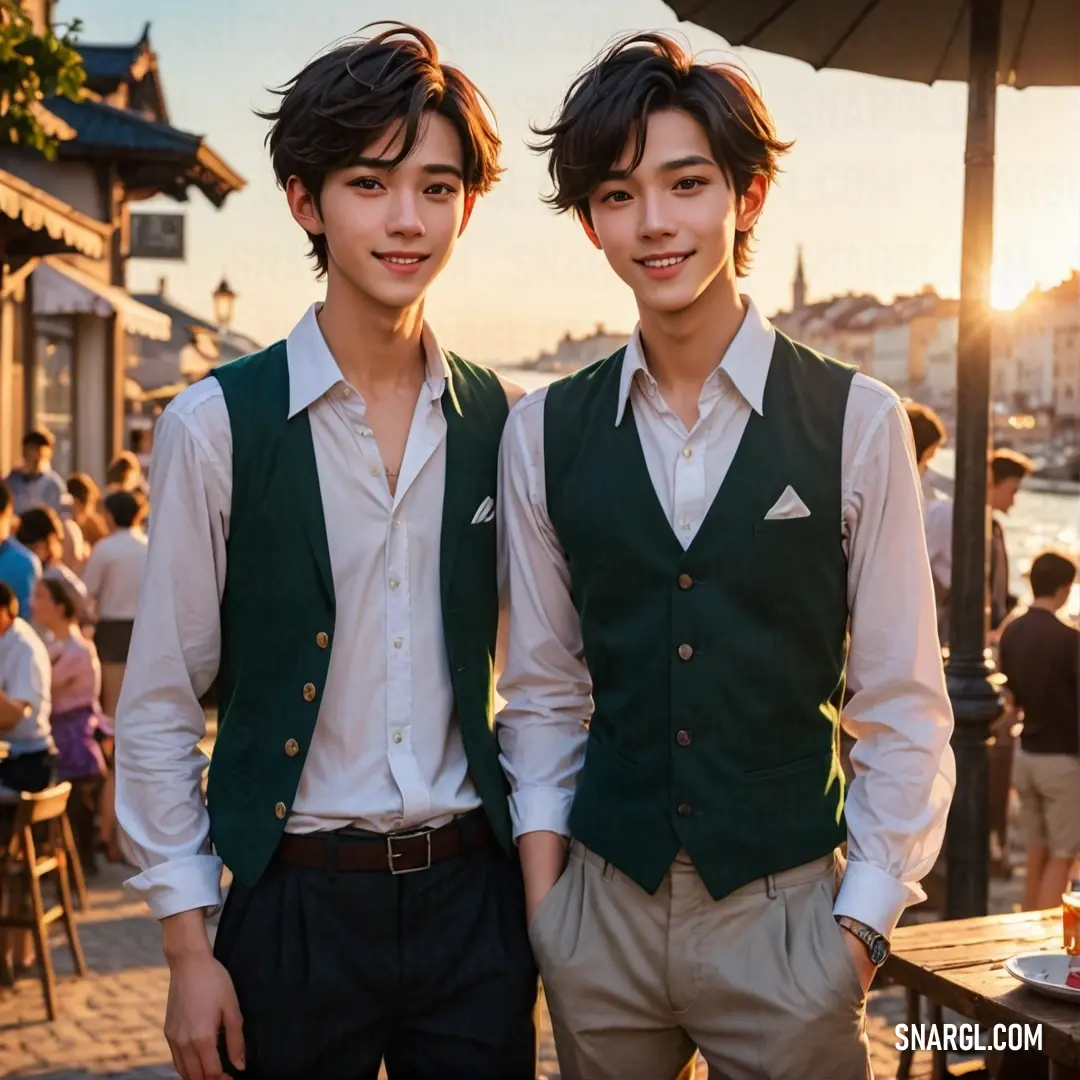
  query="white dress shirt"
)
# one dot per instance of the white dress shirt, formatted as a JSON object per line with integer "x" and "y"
{"x": 113, "y": 573}
{"x": 938, "y": 519}
{"x": 26, "y": 675}
{"x": 386, "y": 754}
{"x": 900, "y": 713}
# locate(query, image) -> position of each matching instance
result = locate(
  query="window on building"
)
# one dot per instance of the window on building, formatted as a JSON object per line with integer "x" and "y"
{"x": 54, "y": 372}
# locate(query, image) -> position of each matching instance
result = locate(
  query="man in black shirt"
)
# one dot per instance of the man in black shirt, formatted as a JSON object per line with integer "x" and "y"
{"x": 1040, "y": 656}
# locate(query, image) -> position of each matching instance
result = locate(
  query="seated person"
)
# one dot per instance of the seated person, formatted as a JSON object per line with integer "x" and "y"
{"x": 25, "y": 703}
{"x": 76, "y": 687}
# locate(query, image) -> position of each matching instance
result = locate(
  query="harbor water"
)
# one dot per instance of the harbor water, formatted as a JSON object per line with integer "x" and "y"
{"x": 1037, "y": 521}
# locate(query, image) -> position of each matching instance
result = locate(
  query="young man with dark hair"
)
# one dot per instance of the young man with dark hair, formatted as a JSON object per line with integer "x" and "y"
{"x": 42, "y": 532}
{"x": 377, "y": 909}
{"x": 1008, "y": 470}
{"x": 36, "y": 484}
{"x": 693, "y": 525}
{"x": 19, "y": 567}
{"x": 1039, "y": 654}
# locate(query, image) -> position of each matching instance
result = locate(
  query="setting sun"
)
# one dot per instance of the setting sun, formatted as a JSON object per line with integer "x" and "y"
{"x": 1008, "y": 288}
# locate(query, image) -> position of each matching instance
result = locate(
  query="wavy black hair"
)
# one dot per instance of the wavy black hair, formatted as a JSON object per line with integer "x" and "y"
{"x": 610, "y": 101}
{"x": 347, "y": 98}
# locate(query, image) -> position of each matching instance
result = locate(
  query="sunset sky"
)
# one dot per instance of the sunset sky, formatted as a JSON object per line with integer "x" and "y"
{"x": 872, "y": 190}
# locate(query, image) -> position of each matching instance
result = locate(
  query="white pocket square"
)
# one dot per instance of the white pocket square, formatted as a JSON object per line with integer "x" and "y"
{"x": 484, "y": 512}
{"x": 789, "y": 505}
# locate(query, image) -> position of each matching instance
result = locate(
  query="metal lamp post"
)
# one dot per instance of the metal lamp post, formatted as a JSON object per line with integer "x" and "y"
{"x": 976, "y": 702}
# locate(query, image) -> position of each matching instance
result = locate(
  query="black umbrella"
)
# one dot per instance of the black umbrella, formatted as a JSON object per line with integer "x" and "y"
{"x": 984, "y": 43}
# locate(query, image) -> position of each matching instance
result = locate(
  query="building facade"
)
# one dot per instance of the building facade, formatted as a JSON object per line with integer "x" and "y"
{"x": 67, "y": 320}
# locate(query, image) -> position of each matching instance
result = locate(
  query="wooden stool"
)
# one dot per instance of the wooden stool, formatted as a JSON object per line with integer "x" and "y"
{"x": 22, "y": 867}
{"x": 72, "y": 847}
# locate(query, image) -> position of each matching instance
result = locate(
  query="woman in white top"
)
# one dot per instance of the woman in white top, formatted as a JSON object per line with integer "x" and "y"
{"x": 113, "y": 577}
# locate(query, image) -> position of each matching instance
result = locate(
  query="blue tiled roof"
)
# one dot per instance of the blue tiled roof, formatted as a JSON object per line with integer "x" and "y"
{"x": 103, "y": 128}
{"x": 108, "y": 62}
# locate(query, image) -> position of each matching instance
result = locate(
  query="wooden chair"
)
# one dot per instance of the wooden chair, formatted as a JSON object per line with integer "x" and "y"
{"x": 38, "y": 824}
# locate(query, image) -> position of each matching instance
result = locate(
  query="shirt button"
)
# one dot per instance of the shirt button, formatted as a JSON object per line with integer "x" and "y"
{"x": 346, "y": 392}
{"x": 398, "y": 643}
{"x": 374, "y": 470}
{"x": 397, "y": 736}
{"x": 322, "y": 639}
{"x": 292, "y": 748}
{"x": 684, "y": 810}
{"x": 687, "y": 452}
{"x": 686, "y": 651}
{"x": 309, "y": 691}
{"x": 394, "y": 583}
{"x": 683, "y": 738}
{"x": 685, "y": 581}
{"x": 685, "y": 523}
{"x": 279, "y": 810}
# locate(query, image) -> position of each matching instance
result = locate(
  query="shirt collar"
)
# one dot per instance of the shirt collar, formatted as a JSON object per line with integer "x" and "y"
{"x": 313, "y": 371}
{"x": 746, "y": 361}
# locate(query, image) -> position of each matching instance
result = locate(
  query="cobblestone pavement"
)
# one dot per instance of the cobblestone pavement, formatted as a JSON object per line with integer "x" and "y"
{"x": 111, "y": 1022}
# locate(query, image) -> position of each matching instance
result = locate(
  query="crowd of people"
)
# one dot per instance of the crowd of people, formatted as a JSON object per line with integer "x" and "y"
{"x": 71, "y": 563}
{"x": 1035, "y": 746}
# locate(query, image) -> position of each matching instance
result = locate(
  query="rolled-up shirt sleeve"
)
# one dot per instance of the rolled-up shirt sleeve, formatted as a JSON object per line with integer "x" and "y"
{"x": 899, "y": 712}
{"x": 546, "y": 684}
{"x": 175, "y": 650}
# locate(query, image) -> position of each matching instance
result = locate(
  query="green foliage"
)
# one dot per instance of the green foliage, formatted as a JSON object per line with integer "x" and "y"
{"x": 33, "y": 67}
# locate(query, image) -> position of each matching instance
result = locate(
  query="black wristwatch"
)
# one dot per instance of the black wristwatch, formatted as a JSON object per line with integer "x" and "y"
{"x": 877, "y": 945}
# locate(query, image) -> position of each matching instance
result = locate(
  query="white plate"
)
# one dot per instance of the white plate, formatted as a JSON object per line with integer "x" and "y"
{"x": 1045, "y": 972}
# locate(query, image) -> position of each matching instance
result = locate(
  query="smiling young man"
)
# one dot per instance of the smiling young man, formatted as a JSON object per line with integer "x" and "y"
{"x": 323, "y": 541}
{"x": 696, "y": 524}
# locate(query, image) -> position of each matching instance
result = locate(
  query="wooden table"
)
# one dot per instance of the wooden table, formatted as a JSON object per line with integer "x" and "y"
{"x": 960, "y": 965}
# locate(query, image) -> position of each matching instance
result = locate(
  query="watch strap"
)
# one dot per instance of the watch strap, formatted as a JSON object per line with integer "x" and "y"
{"x": 870, "y": 937}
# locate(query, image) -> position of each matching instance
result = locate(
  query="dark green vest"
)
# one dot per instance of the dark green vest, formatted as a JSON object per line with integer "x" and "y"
{"x": 277, "y": 613}
{"x": 717, "y": 672}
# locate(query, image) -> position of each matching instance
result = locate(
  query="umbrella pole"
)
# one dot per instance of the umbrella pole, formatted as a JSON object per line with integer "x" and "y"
{"x": 976, "y": 703}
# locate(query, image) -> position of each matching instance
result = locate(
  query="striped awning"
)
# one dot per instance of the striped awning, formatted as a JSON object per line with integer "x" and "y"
{"x": 62, "y": 289}
{"x": 38, "y": 210}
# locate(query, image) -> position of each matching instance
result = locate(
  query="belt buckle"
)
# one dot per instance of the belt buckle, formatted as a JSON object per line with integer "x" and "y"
{"x": 392, "y": 854}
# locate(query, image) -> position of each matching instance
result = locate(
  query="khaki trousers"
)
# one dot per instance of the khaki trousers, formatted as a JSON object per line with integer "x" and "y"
{"x": 760, "y": 981}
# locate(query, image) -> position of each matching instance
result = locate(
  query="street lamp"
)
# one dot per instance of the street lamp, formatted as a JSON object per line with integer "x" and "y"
{"x": 224, "y": 302}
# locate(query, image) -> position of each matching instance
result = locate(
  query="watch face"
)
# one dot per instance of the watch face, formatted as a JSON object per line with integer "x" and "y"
{"x": 879, "y": 951}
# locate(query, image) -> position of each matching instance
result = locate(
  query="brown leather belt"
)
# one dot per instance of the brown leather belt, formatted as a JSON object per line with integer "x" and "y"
{"x": 395, "y": 853}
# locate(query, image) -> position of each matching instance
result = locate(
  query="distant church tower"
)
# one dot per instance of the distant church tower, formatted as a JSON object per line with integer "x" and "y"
{"x": 798, "y": 286}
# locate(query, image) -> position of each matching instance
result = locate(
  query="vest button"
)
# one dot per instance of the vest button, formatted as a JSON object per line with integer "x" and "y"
{"x": 684, "y": 809}
{"x": 684, "y": 738}
{"x": 292, "y": 748}
{"x": 279, "y": 810}
{"x": 685, "y": 581}
{"x": 309, "y": 691}
{"x": 322, "y": 639}
{"x": 686, "y": 651}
